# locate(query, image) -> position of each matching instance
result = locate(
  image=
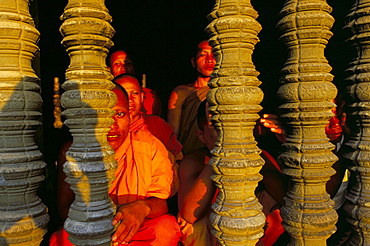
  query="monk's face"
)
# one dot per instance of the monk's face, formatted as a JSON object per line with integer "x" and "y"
{"x": 204, "y": 61}
{"x": 121, "y": 63}
{"x": 119, "y": 130}
{"x": 135, "y": 96}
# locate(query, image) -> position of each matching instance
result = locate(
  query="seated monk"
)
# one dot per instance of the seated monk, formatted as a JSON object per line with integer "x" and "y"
{"x": 120, "y": 63}
{"x": 142, "y": 185}
{"x": 197, "y": 191}
{"x": 152, "y": 123}
{"x": 185, "y": 99}
{"x": 139, "y": 121}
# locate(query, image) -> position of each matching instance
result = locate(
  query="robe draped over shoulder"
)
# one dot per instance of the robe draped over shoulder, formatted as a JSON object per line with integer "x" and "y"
{"x": 188, "y": 121}
{"x": 160, "y": 129}
{"x": 143, "y": 171}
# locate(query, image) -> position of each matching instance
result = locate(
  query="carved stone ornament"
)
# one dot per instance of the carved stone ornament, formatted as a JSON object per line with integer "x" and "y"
{"x": 307, "y": 91}
{"x": 23, "y": 218}
{"x": 234, "y": 100}
{"x": 358, "y": 118}
{"x": 88, "y": 103}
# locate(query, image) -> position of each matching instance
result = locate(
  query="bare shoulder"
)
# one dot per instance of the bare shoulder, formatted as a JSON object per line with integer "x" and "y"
{"x": 178, "y": 96}
{"x": 185, "y": 89}
{"x": 195, "y": 161}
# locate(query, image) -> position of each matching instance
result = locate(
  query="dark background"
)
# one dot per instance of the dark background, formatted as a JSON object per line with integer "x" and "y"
{"x": 160, "y": 36}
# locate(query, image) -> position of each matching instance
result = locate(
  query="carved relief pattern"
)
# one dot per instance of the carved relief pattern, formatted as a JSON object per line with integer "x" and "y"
{"x": 88, "y": 103}
{"x": 307, "y": 91}
{"x": 23, "y": 218}
{"x": 234, "y": 99}
{"x": 358, "y": 117}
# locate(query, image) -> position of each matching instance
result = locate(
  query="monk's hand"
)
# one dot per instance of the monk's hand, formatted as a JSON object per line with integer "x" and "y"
{"x": 129, "y": 217}
{"x": 272, "y": 122}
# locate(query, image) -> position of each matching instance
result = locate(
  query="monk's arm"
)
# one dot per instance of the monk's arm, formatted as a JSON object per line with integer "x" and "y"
{"x": 196, "y": 190}
{"x": 131, "y": 215}
{"x": 174, "y": 111}
{"x": 174, "y": 107}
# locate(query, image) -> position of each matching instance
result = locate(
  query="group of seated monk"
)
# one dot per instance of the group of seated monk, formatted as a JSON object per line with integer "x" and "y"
{"x": 160, "y": 159}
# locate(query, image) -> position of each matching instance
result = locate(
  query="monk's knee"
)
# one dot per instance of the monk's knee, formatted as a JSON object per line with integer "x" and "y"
{"x": 162, "y": 230}
{"x": 166, "y": 224}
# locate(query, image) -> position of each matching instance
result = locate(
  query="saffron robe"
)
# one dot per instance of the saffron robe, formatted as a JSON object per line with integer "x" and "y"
{"x": 160, "y": 129}
{"x": 145, "y": 171}
{"x": 163, "y": 131}
{"x": 188, "y": 121}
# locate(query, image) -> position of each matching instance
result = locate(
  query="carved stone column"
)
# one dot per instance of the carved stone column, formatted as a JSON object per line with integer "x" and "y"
{"x": 88, "y": 101}
{"x": 358, "y": 117}
{"x": 307, "y": 91}
{"x": 23, "y": 217}
{"x": 234, "y": 99}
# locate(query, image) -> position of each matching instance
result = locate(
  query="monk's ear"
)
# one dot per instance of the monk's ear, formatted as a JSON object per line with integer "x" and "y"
{"x": 142, "y": 96}
{"x": 192, "y": 60}
{"x": 200, "y": 135}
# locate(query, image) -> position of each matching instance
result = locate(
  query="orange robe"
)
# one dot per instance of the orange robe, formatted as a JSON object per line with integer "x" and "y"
{"x": 160, "y": 129}
{"x": 188, "y": 121}
{"x": 164, "y": 133}
{"x": 145, "y": 171}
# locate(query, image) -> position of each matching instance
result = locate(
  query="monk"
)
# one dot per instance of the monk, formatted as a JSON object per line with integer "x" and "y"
{"x": 151, "y": 123}
{"x": 142, "y": 184}
{"x": 185, "y": 99}
{"x": 139, "y": 121}
{"x": 121, "y": 63}
{"x": 146, "y": 172}
{"x": 197, "y": 190}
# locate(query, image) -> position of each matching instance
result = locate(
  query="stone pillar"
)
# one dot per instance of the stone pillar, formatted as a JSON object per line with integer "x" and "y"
{"x": 23, "y": 218}
{"x": 234, "y": 99}
{"x": 88, "y": 103}
{"x": 358, "y": 118}
{"x": 307, "y": 92}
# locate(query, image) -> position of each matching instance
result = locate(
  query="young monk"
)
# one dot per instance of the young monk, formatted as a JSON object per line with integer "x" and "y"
{"x": 120, "y": 63}
{"x": 142, "y": 184}
{"x": 139, "y": 121}
{"x": 198, "y": 191}
{"x": 152, "y": 123}
{"x": 185, "y": 99}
